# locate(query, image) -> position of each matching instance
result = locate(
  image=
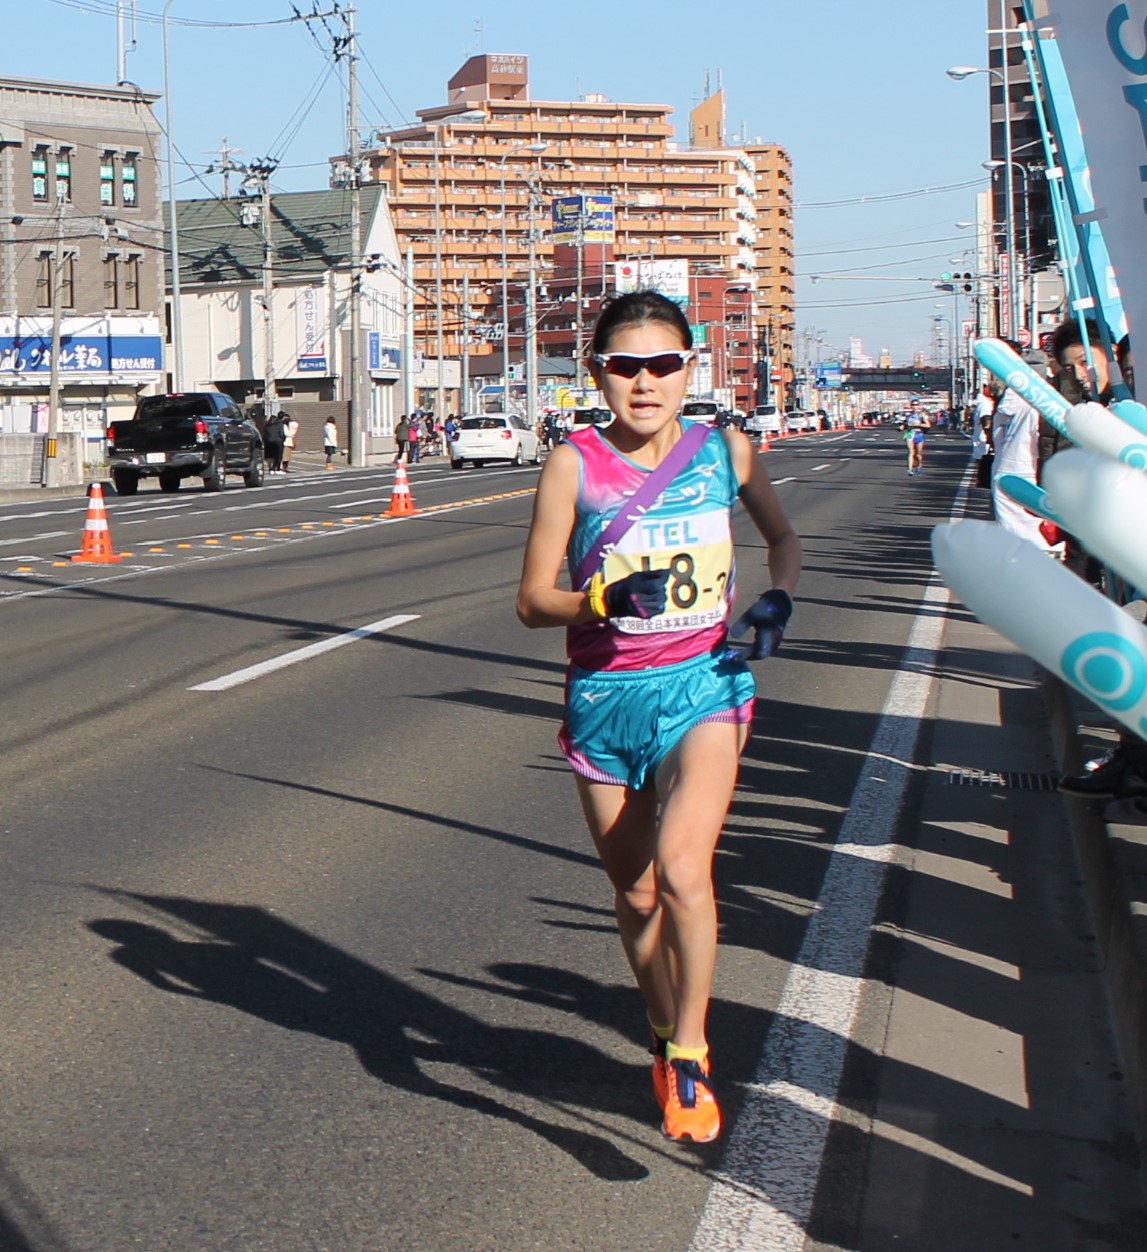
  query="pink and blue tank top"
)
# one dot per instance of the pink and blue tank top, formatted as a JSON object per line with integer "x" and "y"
{"x": 687, "y": 530}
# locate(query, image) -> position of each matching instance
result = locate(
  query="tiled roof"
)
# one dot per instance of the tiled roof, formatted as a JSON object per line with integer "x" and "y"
{"x": 311, "y": 234}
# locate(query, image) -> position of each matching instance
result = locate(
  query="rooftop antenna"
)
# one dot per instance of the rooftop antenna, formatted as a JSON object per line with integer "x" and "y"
{"x": 123, "y": 46}
{"x": 479, "y": 35}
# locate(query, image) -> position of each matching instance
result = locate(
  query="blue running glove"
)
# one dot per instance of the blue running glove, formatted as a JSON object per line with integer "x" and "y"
{"x": 640, "y": 595}
{"x": 768, "y": 618}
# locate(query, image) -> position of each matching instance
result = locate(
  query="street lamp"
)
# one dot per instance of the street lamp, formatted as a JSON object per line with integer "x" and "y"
{"x": 535, "y": 148}
{"x": 958, "y": 73}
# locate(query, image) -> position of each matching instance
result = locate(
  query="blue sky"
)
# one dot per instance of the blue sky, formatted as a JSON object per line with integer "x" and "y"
{"x": 855, "y": 89}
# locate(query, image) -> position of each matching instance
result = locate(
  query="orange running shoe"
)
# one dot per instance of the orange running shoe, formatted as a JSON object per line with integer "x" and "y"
{"x": 691, "y": 1110}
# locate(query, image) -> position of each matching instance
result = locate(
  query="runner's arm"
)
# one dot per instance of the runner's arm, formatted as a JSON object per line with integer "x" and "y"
{"x": 763, "y": 505}
{"x": 540, "y": 601}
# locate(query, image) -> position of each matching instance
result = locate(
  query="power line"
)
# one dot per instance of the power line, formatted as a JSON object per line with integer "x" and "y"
{"x": 895, "y": 195}
{"x": 885, "y": 247}
{"x": 107, "y": 8}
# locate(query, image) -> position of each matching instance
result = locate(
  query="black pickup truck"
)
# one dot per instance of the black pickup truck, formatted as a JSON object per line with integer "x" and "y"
{"x": 197, "y": 434}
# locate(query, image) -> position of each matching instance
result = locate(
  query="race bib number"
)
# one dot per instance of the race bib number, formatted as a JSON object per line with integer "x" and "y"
{"x": 698, "y": 552}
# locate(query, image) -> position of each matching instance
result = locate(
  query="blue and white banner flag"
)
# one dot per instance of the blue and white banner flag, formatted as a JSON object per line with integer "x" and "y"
{"x": 1104, "y": 51}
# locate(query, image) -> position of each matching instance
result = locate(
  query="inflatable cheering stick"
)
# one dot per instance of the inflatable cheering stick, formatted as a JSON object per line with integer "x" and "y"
{"x": 1107, "y": 432}
{"x": 1103, "y": 503}
{"x": 1032, "y": 496}
{"x": 995, "y": 355}
{"x": 1054, "y": 616}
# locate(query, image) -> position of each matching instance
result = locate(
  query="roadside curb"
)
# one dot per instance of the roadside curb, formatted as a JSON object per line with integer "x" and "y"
{"x": 1113, "y": 858}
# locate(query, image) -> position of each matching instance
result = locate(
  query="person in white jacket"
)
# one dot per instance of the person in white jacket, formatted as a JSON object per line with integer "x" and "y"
{"x": 1015, "y": 437}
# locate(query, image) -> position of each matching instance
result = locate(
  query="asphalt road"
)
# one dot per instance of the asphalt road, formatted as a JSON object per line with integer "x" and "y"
{"x": 316, "y": 955}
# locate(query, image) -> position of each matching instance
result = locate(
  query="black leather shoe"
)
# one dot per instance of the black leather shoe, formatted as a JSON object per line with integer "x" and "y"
{"x": 1117, "y": 777}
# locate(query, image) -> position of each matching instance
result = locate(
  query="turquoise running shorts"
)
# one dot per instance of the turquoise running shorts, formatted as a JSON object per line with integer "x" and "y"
{"x": 621, "y": 724}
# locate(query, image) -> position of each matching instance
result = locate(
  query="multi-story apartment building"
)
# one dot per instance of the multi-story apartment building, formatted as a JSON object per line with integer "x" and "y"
{"x": 1013, "y": 108}
{"x": 475, "y": 177}
{"x": 81, "y": 234}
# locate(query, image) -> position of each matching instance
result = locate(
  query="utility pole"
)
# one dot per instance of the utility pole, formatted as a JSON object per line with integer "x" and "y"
{"x": 173, "y": 213}
{"x": 260, "y": 175}
{"x": 226, "y": 166}
{"x": 408, "y": 336}
{"x": 440, "y": 394}
{"x": 349, "y": 48}
{"x": 123, "y": 47}
{"x": 51, "y": 474}
{"x": 462, "y": 404}
{"x": 579, "y": 363}
{"x": 532, "y": 310}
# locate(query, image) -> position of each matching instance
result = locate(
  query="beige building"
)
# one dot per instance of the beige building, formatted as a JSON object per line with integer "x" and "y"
{"x": 459, "y": 189}
{"x": 228, "y": 335}
{"x": 81, "y": 228}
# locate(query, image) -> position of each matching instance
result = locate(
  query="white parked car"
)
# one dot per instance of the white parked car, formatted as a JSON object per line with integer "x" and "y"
{"x": 486, "y": 437}
{"x": 798, "y": 420}
{"x": 764, "y": 420}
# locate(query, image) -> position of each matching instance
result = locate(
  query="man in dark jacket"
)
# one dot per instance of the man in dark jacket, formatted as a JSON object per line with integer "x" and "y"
{"x": 273, "y": 435}
{"x": 402, "y": 439}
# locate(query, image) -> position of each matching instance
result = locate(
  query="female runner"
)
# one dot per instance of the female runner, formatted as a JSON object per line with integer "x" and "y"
{"x": 657, "y": 706}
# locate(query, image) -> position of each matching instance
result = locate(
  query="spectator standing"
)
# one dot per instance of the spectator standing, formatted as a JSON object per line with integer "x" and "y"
{"x": 273, "y": 435}
{"x": 330, "y": 441}
{"x": 415, "y": 436}
{"x": 402, "y": 439}
{"x": 290, "y": 433}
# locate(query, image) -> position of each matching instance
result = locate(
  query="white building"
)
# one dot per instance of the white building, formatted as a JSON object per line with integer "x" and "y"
{"x": 223, "y": 314}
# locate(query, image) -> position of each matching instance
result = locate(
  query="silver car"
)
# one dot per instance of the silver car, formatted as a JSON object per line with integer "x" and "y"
{"x": 486, "y": 437}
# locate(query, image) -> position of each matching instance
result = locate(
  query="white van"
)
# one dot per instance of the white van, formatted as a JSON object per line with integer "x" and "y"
{"x": 765, "y": 420}
{"x": 701, "y": 410}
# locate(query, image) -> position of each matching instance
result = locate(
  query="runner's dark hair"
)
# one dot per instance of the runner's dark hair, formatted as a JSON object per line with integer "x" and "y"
{"x": 638, "y": 308}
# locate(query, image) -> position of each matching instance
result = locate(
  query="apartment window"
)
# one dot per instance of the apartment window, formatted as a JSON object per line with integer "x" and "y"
{"x": 111, "y": 282}
{"x": 40, "y": 174}
{"x": 64, "y": 175}
{"x": 44, "y": 280}
{"x": 129, "y": 193}
{"x": 131, "y": 282}
{"x": 45, "y": 265}
{"x": 107, "y": 178}
{"x": 68, "y": 281}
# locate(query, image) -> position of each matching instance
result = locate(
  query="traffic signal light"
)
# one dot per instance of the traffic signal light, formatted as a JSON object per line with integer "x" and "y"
{"x": 966, "y": 282}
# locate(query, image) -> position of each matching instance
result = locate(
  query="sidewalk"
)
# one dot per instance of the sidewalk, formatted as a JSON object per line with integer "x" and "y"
{"x": 994, "y": 1103}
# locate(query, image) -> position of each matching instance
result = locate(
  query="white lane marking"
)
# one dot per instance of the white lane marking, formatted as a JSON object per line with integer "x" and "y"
{"x": 147, "y": 521}
{"x": 27, "y": 517}
{"x": 304, "y": 654}
{"x": 48, "y": 534}
{"x": 152, "y": 508}
{"x": 777, "y": 482}
{"x": 762, "y": 1198}
{"x": 826, "y": 465}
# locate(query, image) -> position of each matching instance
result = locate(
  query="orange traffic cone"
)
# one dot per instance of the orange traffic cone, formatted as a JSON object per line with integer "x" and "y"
{"x": 766, "y": 446}
{"x": 96, "y": 548}
{"x": 401, "y": 501}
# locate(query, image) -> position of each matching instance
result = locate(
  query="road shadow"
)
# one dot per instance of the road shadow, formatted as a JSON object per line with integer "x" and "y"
{"x": 256, "y": 963}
